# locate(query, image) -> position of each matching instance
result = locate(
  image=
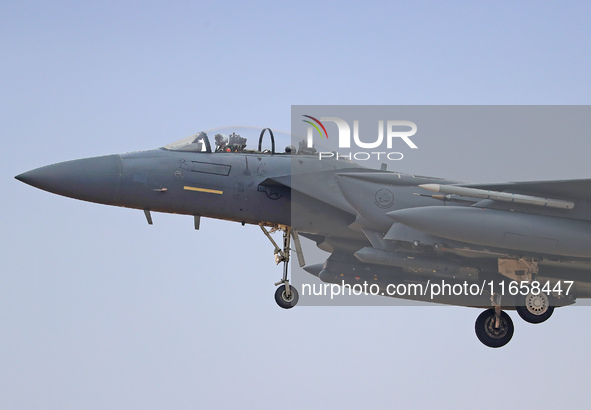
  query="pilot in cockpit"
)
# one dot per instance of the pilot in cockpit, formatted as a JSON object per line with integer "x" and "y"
{"x": 232, "y": 143}
{"x": 221, "y": 143}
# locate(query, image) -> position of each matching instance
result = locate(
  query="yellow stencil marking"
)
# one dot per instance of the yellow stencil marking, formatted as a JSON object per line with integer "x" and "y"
{"x": 209, "y": 191}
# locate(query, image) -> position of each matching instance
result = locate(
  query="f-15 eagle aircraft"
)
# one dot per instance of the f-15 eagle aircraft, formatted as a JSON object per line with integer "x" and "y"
{"x": 523, "y": 246}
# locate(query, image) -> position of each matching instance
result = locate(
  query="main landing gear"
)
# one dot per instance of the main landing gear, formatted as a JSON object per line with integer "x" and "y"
{"x": 495, "y": 328}
{"x": 286, "y": 295}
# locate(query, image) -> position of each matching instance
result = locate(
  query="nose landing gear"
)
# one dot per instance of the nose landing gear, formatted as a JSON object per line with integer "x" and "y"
{"x": 286, "y": 295}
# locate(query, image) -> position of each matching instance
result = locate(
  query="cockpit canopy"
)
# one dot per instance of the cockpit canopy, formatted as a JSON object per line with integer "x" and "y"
{"x": 242, "y": 139}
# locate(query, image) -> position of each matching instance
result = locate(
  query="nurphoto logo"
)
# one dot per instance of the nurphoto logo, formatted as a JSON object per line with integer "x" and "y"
{"x": 393, "y": 129}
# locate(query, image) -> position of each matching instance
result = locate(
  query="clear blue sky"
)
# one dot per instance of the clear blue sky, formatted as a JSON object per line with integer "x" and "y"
{"x": 100, "y": 310}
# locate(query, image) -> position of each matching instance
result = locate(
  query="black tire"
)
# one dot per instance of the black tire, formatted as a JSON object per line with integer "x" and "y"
{"x": 488, "y": 334}
{"x": 282, "y": 299}
{"x": 534, "y": 308}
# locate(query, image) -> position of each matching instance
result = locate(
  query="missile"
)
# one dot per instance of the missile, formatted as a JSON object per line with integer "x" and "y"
{"x": 498, "y": 196}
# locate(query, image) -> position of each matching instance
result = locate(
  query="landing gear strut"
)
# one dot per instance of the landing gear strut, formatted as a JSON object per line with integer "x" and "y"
{"x": 493, "y": 327}
{"x": 286, "y": 295}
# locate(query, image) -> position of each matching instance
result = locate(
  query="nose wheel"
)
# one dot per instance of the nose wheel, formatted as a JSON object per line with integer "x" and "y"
{"x": 286, "y": 295}
{"x": 286, "y": 299}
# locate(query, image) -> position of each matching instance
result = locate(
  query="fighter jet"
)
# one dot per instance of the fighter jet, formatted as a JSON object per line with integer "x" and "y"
{"x": 522, "y": 245}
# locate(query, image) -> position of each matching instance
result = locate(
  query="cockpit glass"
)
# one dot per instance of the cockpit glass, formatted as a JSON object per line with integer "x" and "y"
{"x": 242, "y": 139}
{"x": 194, "y": 143}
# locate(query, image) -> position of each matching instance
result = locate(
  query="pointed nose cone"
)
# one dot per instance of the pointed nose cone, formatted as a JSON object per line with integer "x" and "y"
{"x": 90, "y": 179}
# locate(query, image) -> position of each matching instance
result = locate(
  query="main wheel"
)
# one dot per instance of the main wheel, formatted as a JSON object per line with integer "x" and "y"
{"x": 283, "y": 300}
{"x": 490, "y": 335}
{"x": 534, "y": 308}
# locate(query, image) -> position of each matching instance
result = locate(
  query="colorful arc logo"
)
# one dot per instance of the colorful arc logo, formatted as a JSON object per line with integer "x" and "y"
{"x": 316, "y": 126}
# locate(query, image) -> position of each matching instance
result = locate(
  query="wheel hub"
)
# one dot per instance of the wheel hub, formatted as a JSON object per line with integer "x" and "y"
{"x": 537, "y": 304}
{"x": 496, "y": 332}
{"x": 285, "y": 297}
